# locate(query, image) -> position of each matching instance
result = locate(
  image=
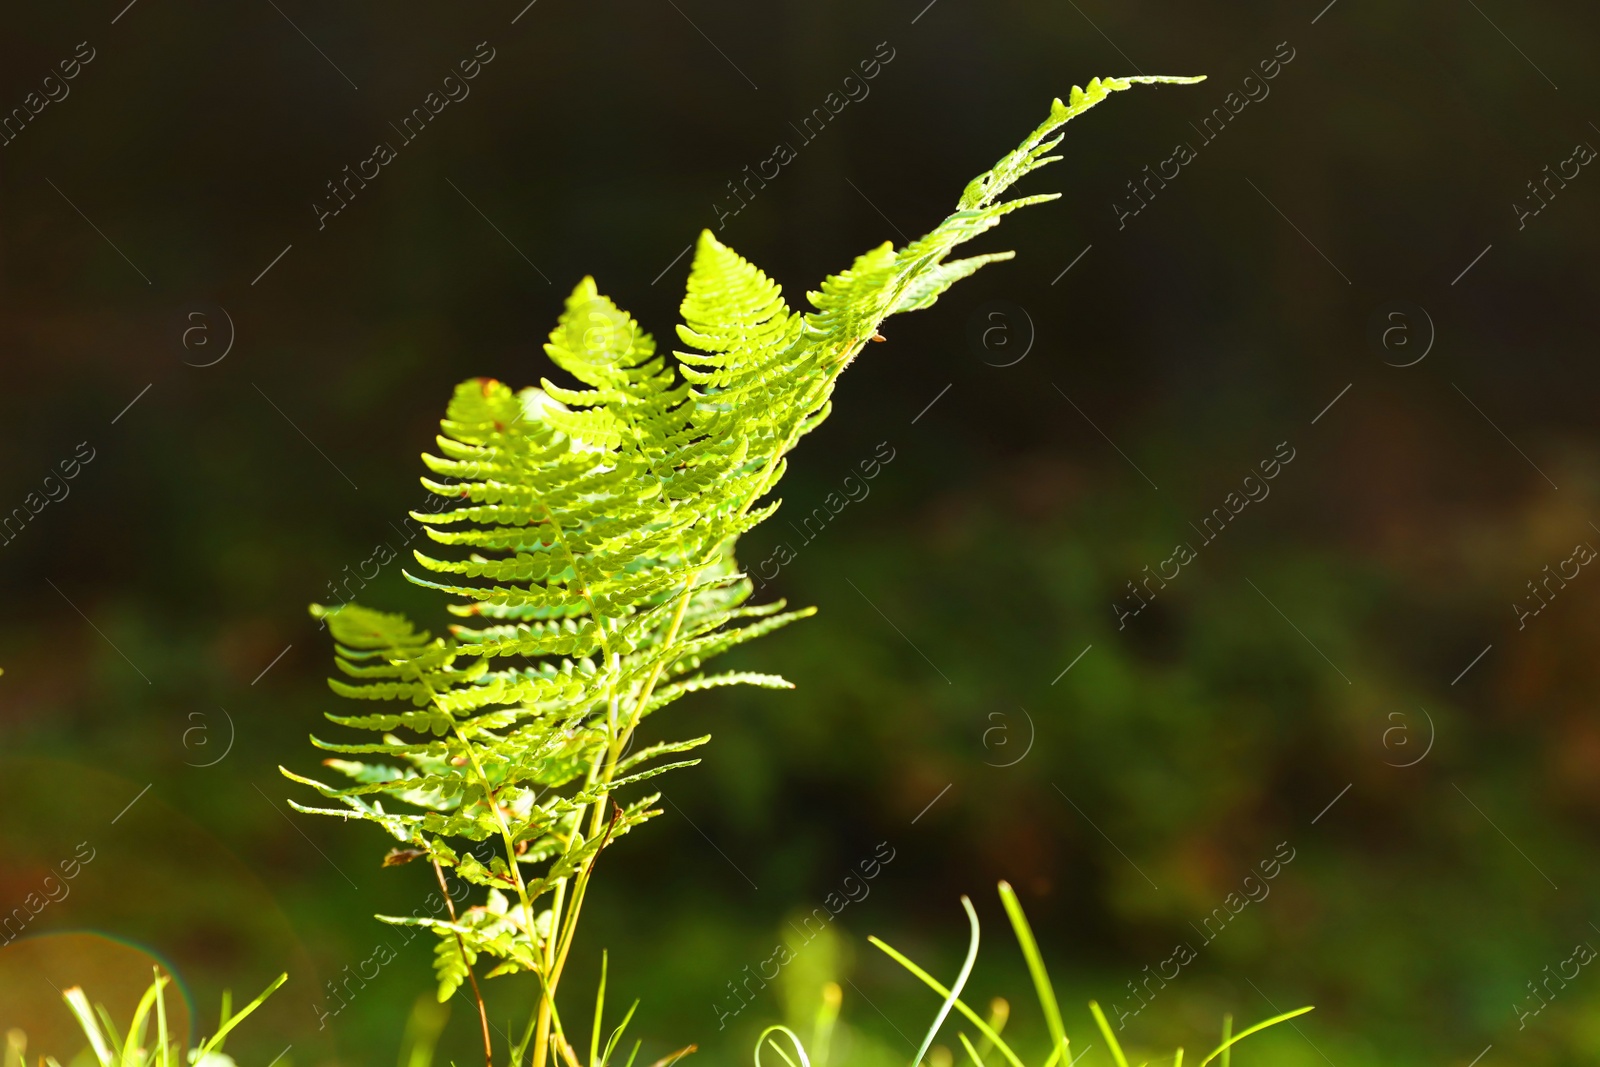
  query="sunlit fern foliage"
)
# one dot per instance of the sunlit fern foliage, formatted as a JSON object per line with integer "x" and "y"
{"x": 991, "y": 1049}
{"x": 586, "y": 539}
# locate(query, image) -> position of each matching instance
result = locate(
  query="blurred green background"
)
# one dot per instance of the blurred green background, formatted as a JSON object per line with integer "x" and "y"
{"x": 1320, "y": 651}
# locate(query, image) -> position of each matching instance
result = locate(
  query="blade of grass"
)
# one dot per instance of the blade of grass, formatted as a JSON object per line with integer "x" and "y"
{"x": 961, "y": 1006}
{"x": 224, "y": 1015}
{"x": 424, "y": 1023}
{"x": 555, "y": 1019}
{"x": 599, "y": 1013}
{"x": 999, "y": 1014}
{"x": 161, "y": 1018}
{"x": 112, "y": 1036}
{"x": 214, "y": 1043}
{"x": 1257, "y": 1028}
{"x": 1227, "y": 1046}
{"x": 79, "y": 1004}
{"x": 1105, "y": 1030}
{"x": 673, "y": 1057}
{"x": 794, "y": 1038}
{"x": 1041, "y": 977}
{"x": 137, "y": 1028}
{"x": 972, "y": 1052}
{"x": 961, "y": 981}
{"x": 616, "y": 1035}
{"x": 822, "y": 1026}
{"x": 521, "y": 1047}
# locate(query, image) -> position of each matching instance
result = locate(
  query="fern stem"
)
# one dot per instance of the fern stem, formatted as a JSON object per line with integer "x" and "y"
{"x": 568, "y": 924}
{"x": 511, "y": 856}
{"x": 619, "y": 741}
{"x": 488, "y": 792}
{"x": 483, "y": 1013}
{"x": 505, "y": 828}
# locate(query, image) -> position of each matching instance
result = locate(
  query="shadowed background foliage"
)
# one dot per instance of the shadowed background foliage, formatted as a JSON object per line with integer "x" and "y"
{"x": 1312, "y": 651}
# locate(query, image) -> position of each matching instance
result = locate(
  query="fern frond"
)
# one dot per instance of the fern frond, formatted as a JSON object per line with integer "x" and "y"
{"x": 883, "y": 281}
{"x": 586, "y": 536}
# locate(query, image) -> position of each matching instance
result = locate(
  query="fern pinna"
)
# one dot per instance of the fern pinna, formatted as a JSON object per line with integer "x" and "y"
{"x": 595, "y": 575}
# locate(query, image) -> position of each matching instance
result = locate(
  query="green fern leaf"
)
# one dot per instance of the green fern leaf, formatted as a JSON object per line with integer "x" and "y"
{"x": 586, "y": 537}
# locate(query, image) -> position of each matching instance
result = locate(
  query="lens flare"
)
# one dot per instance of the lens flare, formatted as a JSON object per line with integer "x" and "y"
{"x": 35, "y": 971}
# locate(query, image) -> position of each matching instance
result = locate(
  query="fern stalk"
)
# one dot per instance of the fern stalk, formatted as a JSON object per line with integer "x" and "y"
{"x": 591, "y": 536}
{"x": 617, "y": 746}
{"x": 477, "y": 995}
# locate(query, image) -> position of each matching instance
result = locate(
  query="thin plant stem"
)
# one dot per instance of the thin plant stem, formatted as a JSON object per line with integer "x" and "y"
{"x": 619, "y": 741}
{"x": 483, "y": 1013}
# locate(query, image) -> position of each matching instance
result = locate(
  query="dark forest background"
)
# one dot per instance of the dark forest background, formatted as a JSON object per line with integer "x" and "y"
{"x": 1351, "y": 672}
